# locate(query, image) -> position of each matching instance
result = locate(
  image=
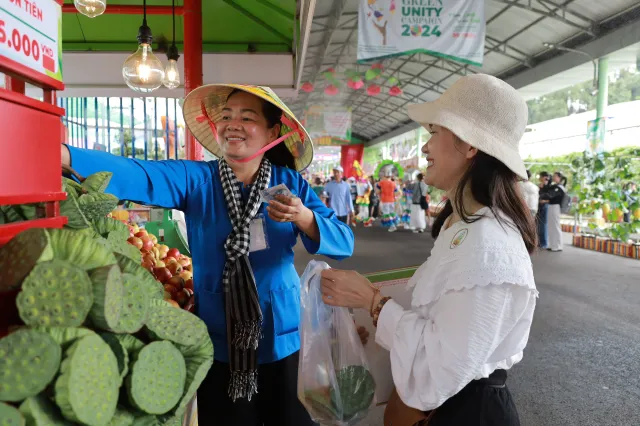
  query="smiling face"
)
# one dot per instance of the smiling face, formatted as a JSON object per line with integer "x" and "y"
{"x": 243, "y": 128}
{"x": 448, "y": 158}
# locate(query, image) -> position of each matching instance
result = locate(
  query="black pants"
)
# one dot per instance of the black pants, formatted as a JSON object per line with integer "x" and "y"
{"x": 485, "y": 402}
{"x": 343, "y": 219}
{"x": 276, "y": 403}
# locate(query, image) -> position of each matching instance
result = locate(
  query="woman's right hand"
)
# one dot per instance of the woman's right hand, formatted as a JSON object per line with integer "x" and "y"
{"x": 65, "y": 155}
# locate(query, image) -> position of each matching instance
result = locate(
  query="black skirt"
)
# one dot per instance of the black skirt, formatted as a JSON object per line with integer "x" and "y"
{"x": 485, "y": 402}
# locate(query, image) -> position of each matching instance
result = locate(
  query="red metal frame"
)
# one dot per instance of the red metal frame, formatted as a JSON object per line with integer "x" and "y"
{"x": 123, "y": 9}
{"x": 30, "y": 161}
{"x": 192, "y": 13}
{"x": 20, "y": 72}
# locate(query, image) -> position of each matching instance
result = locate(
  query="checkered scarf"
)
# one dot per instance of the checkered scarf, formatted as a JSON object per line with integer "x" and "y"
{"x": 242, "y": 309}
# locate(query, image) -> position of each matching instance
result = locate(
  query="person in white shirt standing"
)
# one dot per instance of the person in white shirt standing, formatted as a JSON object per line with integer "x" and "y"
{"x": 340, "y": 200}
{"x": 531, "y": 194}
{"x": 473, "y": 301}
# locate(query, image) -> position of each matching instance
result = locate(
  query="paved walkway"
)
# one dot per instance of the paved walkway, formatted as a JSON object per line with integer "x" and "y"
{"x": 582, "y": 364}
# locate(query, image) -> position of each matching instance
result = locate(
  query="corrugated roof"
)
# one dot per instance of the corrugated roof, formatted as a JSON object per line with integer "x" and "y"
{"x": 516, "y": 31}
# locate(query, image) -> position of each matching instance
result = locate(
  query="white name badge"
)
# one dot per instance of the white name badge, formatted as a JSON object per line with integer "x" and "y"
{"x": 258, "y": 234}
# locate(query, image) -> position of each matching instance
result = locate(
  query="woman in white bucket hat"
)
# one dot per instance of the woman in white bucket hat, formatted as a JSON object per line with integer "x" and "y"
{"x": 473, "y": 301}
{"x": 246, "y": 284}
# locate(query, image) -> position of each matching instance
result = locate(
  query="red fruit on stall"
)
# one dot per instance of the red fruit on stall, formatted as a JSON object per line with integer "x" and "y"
{"x": 177, "y": 281}
{"x": 175, "y": 268}
{"x": 173, "y": 252}
{"x": 189, "y": 284}
{"x": 162, "y": 274}
{"x": 136, "y": 242}
{"x": 172, "y": 290}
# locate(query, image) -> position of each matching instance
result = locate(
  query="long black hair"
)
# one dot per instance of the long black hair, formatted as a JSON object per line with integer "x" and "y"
{"x": 563, "y": 178}
{"x": 279, "y": 154}
{"x": 494, "y": 185}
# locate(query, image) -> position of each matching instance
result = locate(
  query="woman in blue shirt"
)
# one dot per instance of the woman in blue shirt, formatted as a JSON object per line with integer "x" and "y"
{"x": 246, "y": 285}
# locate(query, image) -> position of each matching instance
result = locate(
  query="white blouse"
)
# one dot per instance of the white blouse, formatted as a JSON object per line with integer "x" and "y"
{"x": 471, "y": 311}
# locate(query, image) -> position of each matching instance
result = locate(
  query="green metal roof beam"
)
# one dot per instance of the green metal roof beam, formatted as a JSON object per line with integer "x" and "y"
{"x": 277, "y": 9}
{"x": 207, "y": 47}
{"x": 259, "y": 21}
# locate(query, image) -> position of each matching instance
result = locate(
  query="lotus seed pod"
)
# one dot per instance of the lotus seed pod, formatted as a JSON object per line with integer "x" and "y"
{"x": 119, "y": 351}
{"x": 108, "y": 297}
{"x": 147, "y": 420}
{"x": 29, "y": 360}
{"x": 356, "y": 390}
{"x": 157, "y": 378}
{"x": 75, "y": 189}
{"x": 65, "y": 336}
{"x": 39, "y": 410}
{"x": 55, "y": 294}
{"x": 106, "y": 225}
{"x": 175, "y": 325}
{"x": 116, "y": 245}
{"x": 135, "y": 307}
{"x": 10, "y": 416}
{"x": 79, "y": 249}
{"x": 70, "y": 208}
{"x": 130, "y": 343}
{"x": 97, "y": 182}
{"x": 19, "y": 256}
{"x": 318, "y": 402}
{"x": 122, "y": 417}
{"x": 198, "y": 359}
{"x": 97, "y": 205}
{"x": 87, "y": 389}
{"x": 127, "y": 265}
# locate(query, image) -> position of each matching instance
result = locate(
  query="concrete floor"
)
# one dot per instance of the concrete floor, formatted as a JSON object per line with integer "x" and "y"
{"x": 582, "y": 364}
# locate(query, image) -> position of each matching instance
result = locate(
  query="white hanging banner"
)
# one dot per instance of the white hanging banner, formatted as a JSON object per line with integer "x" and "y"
{"x": 450, "y": 29}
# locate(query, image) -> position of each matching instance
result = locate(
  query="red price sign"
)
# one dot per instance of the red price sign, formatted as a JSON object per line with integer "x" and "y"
{"x": 19, "y": 42}
{"x": 29, "y": 34}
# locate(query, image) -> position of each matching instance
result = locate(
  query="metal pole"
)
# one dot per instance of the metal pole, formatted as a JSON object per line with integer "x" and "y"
{"x": 72, "y": 130}
{"x": 166, "y": 130}
{"x": 133, "y": 132}
{"x": 603, "y": 87}
{"x": 108, "y": 125}
{"x": 95, "y": 104}
{"x": 85, "y": 113}
{"x": 192, "y": 16}
{"x": 122, "y": 153}
{"x": 146, "y": 133}
{"x": 155, "y": 124}
{"x": 175, "y": 128}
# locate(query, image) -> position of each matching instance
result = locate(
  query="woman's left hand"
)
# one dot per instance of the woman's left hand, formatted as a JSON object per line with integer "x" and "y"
{"x": 348, "y": 289}
{"x": 288, "y": 209}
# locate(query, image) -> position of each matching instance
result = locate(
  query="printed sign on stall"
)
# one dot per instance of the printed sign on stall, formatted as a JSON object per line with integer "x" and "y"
{"x": 30, "y": 34}
{"x": 451, "y": 29}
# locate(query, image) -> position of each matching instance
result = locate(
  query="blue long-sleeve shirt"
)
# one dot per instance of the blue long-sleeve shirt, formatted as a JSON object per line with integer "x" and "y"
{"x": 340, "y": 199}
{"x": 195, "y": 188}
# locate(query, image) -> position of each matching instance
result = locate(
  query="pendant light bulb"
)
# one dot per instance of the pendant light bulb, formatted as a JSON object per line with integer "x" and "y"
{"x": 90, "y": 8}
{"x": 171, "y": 72}
{"x": 143, "y": 72}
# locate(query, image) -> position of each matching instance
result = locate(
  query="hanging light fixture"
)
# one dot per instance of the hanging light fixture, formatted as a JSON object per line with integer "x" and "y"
{"x": 90, "y": 8}
{"x": 171, "y": 72}
{"x": 143, "y": 71}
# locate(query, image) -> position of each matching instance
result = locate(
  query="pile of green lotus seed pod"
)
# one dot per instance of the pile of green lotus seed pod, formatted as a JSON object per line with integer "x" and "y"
{"x": 99, "y": 346}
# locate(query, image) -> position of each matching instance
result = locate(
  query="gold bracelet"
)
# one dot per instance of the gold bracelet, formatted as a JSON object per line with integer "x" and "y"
{"x": 376, "y": 312}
